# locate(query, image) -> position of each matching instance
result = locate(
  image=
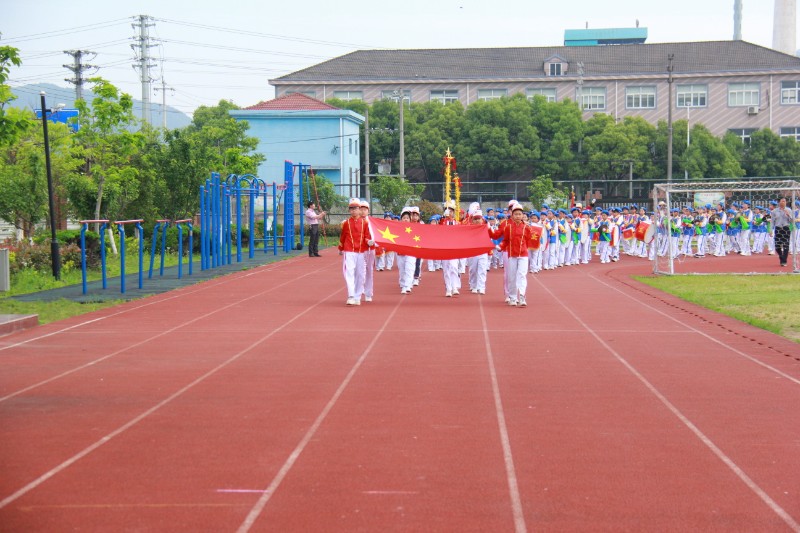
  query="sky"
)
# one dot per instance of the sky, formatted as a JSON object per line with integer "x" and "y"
{"x": 210, "y": 51}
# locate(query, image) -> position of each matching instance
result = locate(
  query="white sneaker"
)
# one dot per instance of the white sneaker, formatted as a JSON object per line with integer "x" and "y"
{"x": 351, "y": 301}
{"x": 455, "y": 292}
{"x": 357, "y": 301}
{"x": 416, "y": 281}
{"x": 522, "y": 302}
{"x": 403, "y": 291}
{"x": 448, "y": 294}
{"x": 481, "y": 291}
{"x": 507, "y": 299}
{"x": 512, "y": 303}
{"x": 474, "y": 291}
{"x": 367, "y": 298}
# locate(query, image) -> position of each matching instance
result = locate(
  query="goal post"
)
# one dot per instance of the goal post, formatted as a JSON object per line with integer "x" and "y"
{"x": 724, "y": 220}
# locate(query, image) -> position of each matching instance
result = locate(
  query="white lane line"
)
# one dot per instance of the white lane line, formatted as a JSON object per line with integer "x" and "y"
{"x": 258, "y": 508}
{"x": 511, "y": 474}
{"x": 145, "y": 341}
{"x": 89, "y": 449}
{"x": 155, "y": 299}
{"x": 752, "y": 485}
{"x": 704, "y": 334}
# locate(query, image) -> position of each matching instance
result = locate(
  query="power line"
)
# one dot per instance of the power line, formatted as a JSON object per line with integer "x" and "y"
{"x": 66, "y": 31}
{"x": 267, "y": 35}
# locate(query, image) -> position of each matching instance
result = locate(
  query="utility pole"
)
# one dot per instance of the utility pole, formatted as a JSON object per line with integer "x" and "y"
{"x": 163, "y": 90}
{"x": 55, "y": 256}
{"x": 669, "y": 118}
{"x": 77, "y": 69}
{"x": 142, "y": 49}
{"x": 366, "y": 158}
{"x": 402, "y": 139}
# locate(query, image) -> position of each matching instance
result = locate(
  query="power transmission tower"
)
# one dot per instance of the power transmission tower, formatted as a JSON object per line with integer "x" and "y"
{"x": 143, "y": 61}
{"x": 77, "y": 67}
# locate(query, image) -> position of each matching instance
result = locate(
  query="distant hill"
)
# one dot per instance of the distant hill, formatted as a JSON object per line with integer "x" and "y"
{"x": 28, "y": 97}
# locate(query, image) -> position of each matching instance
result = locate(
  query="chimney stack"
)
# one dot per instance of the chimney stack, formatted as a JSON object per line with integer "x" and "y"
{"x": 784, "y": 29}
{"x": 737, "y": 20}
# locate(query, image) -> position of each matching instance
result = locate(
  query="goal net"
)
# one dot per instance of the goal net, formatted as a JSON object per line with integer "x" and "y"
{"x": 723, "y": 227}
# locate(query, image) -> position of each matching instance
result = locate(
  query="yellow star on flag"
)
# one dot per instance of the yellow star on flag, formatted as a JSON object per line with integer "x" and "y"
{"x": 416, "y": 238}
{"x": 408, "y": 229}
{"x": 387, "y": 234}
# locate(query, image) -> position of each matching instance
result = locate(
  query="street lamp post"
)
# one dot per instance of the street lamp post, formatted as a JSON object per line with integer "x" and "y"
{"x": 688, "y": 140}
{"x": 54, "y": 252}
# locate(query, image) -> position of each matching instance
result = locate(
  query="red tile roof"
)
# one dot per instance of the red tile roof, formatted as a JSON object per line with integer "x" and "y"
{"x": 292, "y": 102}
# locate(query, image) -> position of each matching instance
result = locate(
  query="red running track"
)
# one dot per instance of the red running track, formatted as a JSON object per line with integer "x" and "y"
{"x": 259, "y": 402}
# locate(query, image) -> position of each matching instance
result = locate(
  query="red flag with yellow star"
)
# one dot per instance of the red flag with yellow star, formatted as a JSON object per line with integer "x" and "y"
{"x": 431, "y": 241}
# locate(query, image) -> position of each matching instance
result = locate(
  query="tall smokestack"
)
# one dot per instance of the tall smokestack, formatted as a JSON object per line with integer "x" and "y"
{"x": 737, "y": 20}
{"x": 784, "y": 29}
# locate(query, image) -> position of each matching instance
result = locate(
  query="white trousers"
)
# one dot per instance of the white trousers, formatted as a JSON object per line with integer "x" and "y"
{"x": 405, "y": 269}
{"x": 354, "y": 269}
{"x": 477, "y": 271}
{"x": 452, "y": 281}
{"x": 517, "y": 268}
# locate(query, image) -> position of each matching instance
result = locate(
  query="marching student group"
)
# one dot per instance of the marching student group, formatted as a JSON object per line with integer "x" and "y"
{"x": 527, "y": 242}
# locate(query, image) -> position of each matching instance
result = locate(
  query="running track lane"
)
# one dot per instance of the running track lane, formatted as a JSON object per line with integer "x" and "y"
{"x": 595, "y": 408}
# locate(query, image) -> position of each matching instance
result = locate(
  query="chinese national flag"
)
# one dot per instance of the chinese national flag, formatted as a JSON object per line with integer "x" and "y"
{"x": 431, "y": 241}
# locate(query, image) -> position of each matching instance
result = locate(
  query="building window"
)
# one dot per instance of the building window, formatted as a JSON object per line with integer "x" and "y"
{"x": 444, "y": 97}
{"x": 743, "y": 94}
{"x": 640, "y": 97}
{"x": 792, "y": 133}
{"x": 593, "y": 98}
{"x": 312, "y": 94}
{"x": 351, "y": 145}
{"x": 395, "y": 95}
{"x": 555, "y": 69}
{"x": 743, "y": 133}
{"x": 692, "y": 95}
{"x": 348, "y": 95}
{"x": 549, "y": 94}
{"x": 491, "y": 94}
{"x": 790, "y": 92}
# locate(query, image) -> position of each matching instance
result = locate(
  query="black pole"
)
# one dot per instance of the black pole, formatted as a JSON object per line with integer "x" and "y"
{"x": 54, "y": 253}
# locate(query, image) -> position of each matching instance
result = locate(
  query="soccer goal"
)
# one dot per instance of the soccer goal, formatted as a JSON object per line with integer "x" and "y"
{"x": 722, "y": 227}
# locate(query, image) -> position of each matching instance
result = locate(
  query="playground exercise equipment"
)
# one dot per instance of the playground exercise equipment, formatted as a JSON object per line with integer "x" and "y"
{"x": 84, "y": 227}
{"x": 237, "y": 202}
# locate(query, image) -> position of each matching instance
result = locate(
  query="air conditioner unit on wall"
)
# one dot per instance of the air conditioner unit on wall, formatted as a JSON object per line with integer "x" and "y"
{"x": 752, "y": 110}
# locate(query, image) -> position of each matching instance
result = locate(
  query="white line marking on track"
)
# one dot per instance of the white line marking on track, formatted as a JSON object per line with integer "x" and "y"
{"x": 704, "y": 334}
{"x": 511, "y": 474}
{"x": 254, "y": 513}
{"x": 89, "y": 449}
{"x": 752, "y": 485}
{"x": 152, "y": 300}
{"x": 145, "y": 341}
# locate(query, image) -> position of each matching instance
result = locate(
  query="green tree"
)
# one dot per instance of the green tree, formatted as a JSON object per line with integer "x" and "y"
{"x": 13, "y": 121}
{"x": 213, "y": 142}
{"x": 107, "y": 147}
{"x": 433, "y": 128}
{"x": 541, "y": 190}
{"x": 561, "y": 129}
{"x": 23, "y": 178}
{"x": 323, "y": 193}
{"x": 708, "y": 158}
{"x": 393, "y": 193}
{"x": 767, "y": 154}
{"x": 499, "y": 136}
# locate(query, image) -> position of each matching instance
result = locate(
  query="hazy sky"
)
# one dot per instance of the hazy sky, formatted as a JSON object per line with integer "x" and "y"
{"x": 230, "y": 50}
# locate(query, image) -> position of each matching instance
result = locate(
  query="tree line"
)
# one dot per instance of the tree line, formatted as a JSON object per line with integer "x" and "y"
{"x": 115, "y": 168}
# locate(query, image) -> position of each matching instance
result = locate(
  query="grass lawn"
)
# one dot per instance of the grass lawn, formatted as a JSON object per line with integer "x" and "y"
{"x": 767, "y": 302}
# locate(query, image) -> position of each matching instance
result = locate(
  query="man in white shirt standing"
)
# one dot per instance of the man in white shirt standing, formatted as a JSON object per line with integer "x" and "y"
{"x": 312, "y": 220}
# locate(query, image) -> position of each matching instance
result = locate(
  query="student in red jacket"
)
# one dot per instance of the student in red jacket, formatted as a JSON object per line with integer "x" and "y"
{"x": 354, "y": 241}
{"x": 518, "y": 237}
